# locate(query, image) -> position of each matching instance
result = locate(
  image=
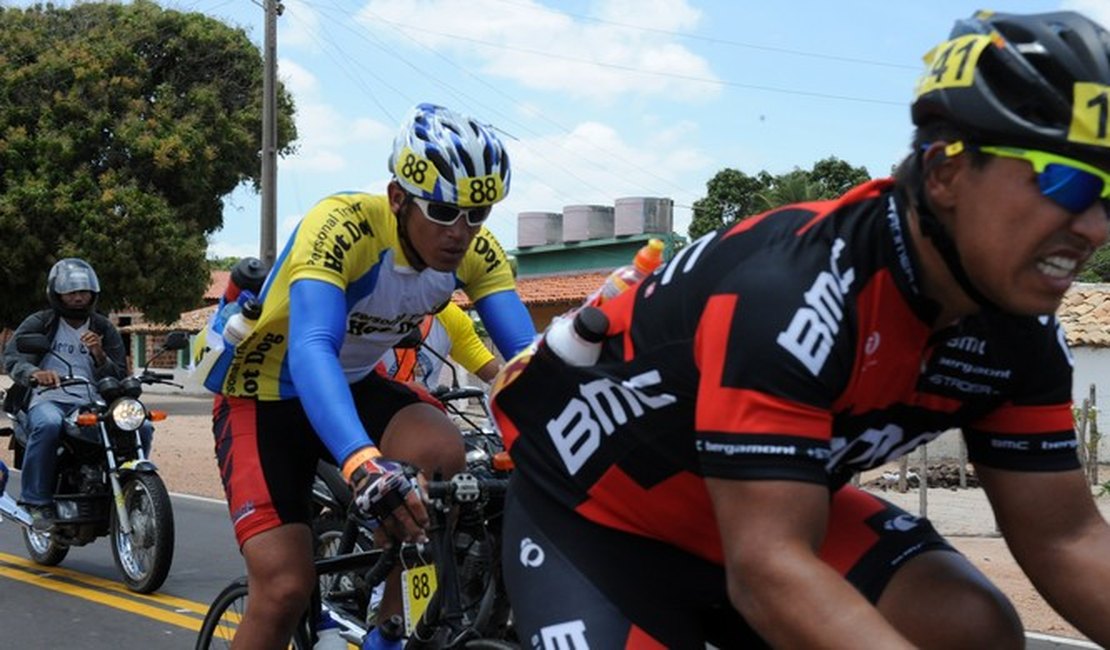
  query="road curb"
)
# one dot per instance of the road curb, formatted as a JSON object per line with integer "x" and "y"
{"x": 1037, "y": 641}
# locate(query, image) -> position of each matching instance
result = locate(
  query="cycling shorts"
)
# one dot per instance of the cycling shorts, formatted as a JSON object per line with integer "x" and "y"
{"x": 635, "y": 592}
{"x": 267, "y": 450}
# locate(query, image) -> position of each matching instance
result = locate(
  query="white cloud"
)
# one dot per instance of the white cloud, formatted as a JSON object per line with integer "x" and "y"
{"x": 324, "y": 135}
{"x": 596, "y": 164}
{"x": 299, "y": 25}
{"x": 545, "y": 49}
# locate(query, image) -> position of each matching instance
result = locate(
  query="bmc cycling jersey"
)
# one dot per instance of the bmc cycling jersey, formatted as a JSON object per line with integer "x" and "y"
{"x": 350, "y": 240}
{"x": 795, "y": 345}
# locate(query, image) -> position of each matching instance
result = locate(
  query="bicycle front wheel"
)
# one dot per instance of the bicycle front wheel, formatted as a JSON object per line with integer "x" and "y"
{"x": 223, "y": 617}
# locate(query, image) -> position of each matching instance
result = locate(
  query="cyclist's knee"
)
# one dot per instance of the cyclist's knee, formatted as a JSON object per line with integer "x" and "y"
{"x": 423, "y": 436}
{"x": 939, "y": 600}
{"x": 282, "y": 593}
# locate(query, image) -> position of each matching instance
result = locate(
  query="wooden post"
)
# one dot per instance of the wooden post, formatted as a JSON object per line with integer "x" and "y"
{"x": 963, "y": 462}
{"x": 903, "y": 469}
{"x": 923, "y": 482}
{"x": 1093, "y": 437}
{"x": 1081, "y": 435}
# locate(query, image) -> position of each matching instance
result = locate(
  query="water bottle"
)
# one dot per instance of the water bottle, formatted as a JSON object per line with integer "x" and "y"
{"x": 247, "y": 275}
{"x": 241, "y": 323}
{"x": 646, "y": 260}
{"x": 224, "y": 314}
{"x": 577, "y": 339}
{"x": 386, "y": 636}
{"x": 327, "y": 634}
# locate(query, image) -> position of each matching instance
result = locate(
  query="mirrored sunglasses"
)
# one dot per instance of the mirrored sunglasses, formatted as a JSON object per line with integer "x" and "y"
{"x": 446, "y": 215}
{"x": 1072, "y": 184}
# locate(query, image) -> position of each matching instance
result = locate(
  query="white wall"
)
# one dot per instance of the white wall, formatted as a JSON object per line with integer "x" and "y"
{"x": 1092, "y": 366}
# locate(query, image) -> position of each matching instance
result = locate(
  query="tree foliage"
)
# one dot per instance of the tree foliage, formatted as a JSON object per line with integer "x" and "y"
{"x": 122, "y": 127}
{"x": 732, "y": 195}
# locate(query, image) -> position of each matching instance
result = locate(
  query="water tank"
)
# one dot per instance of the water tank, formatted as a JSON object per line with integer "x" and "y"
{"x": 635, "y": 215}
{"x": 581, "y": 222}
{"x": 538, "y": 228}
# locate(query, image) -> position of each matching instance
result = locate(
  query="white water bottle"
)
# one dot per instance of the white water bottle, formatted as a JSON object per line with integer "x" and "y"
{"x": 577, "y": 340}
{"x": 241, "y": 324}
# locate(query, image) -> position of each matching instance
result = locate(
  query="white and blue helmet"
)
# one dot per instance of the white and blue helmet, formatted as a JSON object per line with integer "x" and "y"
{"x": 443, "y": 156}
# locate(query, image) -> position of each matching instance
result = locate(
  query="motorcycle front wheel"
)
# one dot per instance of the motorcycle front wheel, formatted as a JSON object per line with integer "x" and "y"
{"x": 144, "y": 556}
{"x": 43, "y": 549}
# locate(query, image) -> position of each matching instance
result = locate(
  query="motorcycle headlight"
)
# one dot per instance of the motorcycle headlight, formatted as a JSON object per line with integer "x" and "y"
{"x": 128, "y": 414}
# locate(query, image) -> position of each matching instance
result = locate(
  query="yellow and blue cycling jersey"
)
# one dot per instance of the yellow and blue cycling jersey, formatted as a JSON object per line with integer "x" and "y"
{"x": 350, "y": 240}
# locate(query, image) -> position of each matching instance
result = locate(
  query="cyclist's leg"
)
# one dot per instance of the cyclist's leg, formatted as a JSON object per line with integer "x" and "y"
{"x": 267, "y": 454}
{"x": 407, "y": 424}
{"x": 576, "y": 584}
{"x": 923, "y": 586}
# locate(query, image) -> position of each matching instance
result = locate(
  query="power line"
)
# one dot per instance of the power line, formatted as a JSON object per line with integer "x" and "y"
{"x": 655, "y": 73}
{"x": 723, "y": 41}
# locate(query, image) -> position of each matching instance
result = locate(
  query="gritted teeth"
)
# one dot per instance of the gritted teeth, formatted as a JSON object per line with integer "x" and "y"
{"x": 1057, "y": 266}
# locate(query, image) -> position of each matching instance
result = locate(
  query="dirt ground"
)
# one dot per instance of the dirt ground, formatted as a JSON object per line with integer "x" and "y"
{"x": 183, "y": 451}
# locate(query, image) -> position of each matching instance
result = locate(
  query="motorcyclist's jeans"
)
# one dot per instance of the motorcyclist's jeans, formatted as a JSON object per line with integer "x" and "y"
{"x": 44, "y": 424}
{"x": 44, "y": 430}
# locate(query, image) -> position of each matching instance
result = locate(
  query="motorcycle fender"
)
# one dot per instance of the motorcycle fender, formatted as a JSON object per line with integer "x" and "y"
{"x": 142, "y": 466}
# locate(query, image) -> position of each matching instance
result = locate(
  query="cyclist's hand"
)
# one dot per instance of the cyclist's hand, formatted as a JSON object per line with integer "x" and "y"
{"x": 383, "y": 491}
{"x": 46, "y": 378}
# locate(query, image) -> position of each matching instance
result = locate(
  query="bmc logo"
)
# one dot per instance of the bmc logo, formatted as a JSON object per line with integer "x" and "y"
{"x": 603, "y": 405}
{"x": 564, "y": 636}
{"x": 811, "y": 332}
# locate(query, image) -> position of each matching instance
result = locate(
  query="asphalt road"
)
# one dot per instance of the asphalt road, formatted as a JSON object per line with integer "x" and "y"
{"x": 82, "y": 604}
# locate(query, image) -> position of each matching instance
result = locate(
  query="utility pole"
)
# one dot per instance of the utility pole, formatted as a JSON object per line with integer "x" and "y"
{"x": 268, "y": 234}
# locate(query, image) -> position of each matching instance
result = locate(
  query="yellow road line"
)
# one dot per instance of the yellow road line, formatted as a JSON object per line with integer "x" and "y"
{"x": 108, "y": 585}
{"x": 128, "y": 605}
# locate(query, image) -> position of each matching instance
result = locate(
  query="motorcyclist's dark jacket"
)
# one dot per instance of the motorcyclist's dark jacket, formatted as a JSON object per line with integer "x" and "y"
{"x": 20, "y": 366}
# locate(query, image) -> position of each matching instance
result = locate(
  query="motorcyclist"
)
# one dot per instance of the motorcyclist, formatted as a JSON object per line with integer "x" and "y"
{"x": 92, "y": 347}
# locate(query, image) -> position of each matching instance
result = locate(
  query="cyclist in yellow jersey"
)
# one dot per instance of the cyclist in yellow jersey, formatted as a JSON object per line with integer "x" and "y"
{"x": 450, "y": 333}
{"x": 359, "y": 272}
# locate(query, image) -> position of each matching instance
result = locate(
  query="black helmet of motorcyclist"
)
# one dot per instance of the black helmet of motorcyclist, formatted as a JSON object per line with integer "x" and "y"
{"x": 68, "y": 276}
{"x": 1038, "y": 81}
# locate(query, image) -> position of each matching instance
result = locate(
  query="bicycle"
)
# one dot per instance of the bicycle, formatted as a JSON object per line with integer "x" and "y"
{"x": 438, "y": 617}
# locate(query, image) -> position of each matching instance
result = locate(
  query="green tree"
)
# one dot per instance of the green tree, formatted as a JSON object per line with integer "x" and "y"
{"x": 122, "y": 127}
{"x": 833, "y": 177}
{"x": 732, "y": 195}
{"x": 1098, "y": 267}
{"x": 792, "y": 187}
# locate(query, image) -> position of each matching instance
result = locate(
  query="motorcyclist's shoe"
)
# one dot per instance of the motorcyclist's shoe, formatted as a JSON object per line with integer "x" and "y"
{"x": 42, "y": 517}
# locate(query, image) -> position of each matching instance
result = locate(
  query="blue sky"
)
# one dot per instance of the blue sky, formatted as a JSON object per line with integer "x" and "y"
{"x": 601, "y": 99}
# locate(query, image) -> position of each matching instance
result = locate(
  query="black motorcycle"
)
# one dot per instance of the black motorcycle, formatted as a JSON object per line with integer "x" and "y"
{"x": 105, "y": 483}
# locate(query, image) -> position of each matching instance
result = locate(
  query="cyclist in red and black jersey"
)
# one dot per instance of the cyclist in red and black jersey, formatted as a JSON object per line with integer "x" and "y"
{"x": 690, "y": 486}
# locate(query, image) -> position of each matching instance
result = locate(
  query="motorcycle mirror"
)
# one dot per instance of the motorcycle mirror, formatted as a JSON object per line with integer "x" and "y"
{"x": 39, "y": 344}
{"x": 176, "y": 341}
{"x": 32, "y": 343}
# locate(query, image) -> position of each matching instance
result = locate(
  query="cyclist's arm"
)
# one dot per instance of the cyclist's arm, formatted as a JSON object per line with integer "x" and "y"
{"x": 1057, "y": 535}
{"x": 317, "y": 323}
{"x": 770, "y": 532}
{"x": 507, "y": 320}
{"x": 465, "y": 346}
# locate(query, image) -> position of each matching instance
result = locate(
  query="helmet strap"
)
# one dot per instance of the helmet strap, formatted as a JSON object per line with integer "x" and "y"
{"x": 942, "y": 240}
{"x": 403, "y": 233}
